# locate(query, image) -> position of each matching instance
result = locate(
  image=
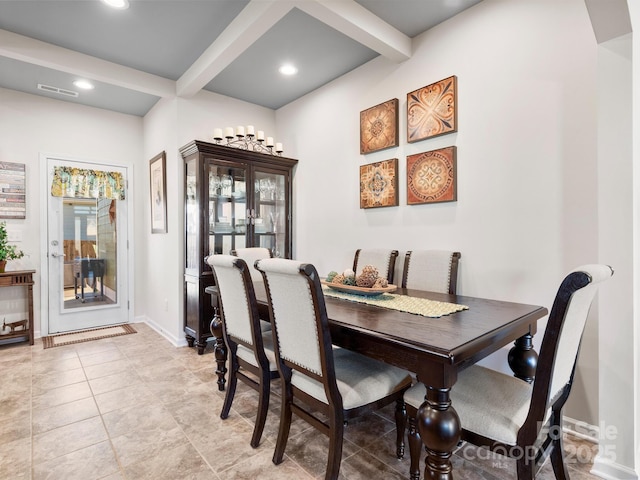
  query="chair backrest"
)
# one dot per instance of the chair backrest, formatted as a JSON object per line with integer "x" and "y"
{"x": 299, "y": 321}
{"x": 431, "y": 270}
{"x": 561, "y": 342}
{"x": 238, "y": 305}
{"x": 250, "y": 255}
{"x": 384, "y": 260}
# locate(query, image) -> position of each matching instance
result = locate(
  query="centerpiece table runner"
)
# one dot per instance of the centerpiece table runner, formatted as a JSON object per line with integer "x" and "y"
{"x": 402, "y": 303}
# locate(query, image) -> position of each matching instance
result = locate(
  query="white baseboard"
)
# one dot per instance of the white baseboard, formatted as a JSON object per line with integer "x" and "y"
{"x": 602, "y": 467}
{"x": 581, "y": 429}
{"x": 605, "y": 468}
{"x": 175, "y": 341}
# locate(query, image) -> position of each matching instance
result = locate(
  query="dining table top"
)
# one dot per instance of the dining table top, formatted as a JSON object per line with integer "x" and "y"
{"x": 412, "y": 341}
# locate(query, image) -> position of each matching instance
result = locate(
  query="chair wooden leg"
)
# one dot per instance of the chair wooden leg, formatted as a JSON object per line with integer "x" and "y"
{"x": 557, "y": 451}
{"x": 263, "y": 407}
{"x": 525, "y": 468}
{"x": 415, "y": 447}
{"x": 401, "y": 426}
{"x": 285, "y": 423}
{"x": 231, "y": 388}
{"x": 336, "y": 435}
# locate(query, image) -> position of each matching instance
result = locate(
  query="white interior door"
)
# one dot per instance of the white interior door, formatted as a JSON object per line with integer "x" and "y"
{"x": 86, "y": 257}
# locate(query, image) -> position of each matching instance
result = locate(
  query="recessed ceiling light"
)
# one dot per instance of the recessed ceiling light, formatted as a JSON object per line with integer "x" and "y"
{"x": 83, "y": 84}
{"x": 288, "y": 69}
{"x": 119, "y": 4}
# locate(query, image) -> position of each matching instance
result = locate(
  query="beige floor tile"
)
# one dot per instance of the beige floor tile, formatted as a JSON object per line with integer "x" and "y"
{"x": 65, "y": 414}
{"x": 146, "y": 417}
{"x": 132, "y": 395}
{"x": 61, "y": 395}
{"x": 154, "y": 412}
{"x": 177, "y": 463}
{"x": 93, "y": 462}
{"x": 46, "y": 381}
{"x": 116, "y": 381}
{"x": 102, "y": 357}
{"x": 67, "y": 439}
{"x": 146, "y": 445}
{"x": 61, "y": 365}
{"x": 15, "y": 428}
{"x": 260, "y": 466}
{"x": 105, "y": 369}
{"x": 15, "y": 459}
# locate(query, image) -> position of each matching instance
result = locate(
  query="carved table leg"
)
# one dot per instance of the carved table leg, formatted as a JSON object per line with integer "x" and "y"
{"x": 439, "y": 427}
{"x": 190, "y": 340}
{"x": 523, "y": 359}
{"x": 220, "y": 349}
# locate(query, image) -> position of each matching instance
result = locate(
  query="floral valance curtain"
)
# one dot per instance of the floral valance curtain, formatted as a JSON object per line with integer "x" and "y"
{"x": 80, "y": 183}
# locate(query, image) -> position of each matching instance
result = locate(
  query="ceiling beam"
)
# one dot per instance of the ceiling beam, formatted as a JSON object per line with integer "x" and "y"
{"x": 252, "y": 22}
{"x": 358, "y": 23}
{"x": 51, "y": 56}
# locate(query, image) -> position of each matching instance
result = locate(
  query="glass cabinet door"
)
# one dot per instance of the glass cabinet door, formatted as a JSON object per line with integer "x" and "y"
{"x": 270, "y": 194}
{"x": 227, "y": 198}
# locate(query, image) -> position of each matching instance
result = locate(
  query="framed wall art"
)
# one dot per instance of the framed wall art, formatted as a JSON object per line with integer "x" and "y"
{"x": 379, "y": 184}
{"x": 158, "y": 184}
{"x": 379, "y": 127}
{"x": 431, "y": 177}
{"x": 13, "y": 200}
{"x": 432, "y": 110}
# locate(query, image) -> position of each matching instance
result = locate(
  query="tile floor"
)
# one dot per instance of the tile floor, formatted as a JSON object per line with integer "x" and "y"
{"x": 135, "y": 407}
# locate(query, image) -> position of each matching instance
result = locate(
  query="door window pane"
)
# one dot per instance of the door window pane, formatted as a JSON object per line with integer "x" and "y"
{"x": 89, "y": 242}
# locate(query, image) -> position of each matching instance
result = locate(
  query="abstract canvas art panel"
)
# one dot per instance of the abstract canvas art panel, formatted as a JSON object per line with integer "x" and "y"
{"x": 432, "y": 110}
{"x": 431, "y": 176}
{"x": 379, "y": 127}
{"x": 379, "y": 184}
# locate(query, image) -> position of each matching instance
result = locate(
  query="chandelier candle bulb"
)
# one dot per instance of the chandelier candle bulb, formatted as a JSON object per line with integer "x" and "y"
{"x": 239, "y": 131}
{"x": 269, "y": 141}
{"x": 260, "y": 136}
{"x": 228, "y": 132}
{"x": 217, "y": 134}
{"x": 250, "y": 130}
{"x": 278, "y": 147}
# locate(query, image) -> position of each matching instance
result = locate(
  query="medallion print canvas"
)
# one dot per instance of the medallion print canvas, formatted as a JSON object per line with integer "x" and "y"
{"x": 431, "y": 176}
{"x": 379, "y": 184}
{"x": 432, "y": 110}
{"x": 379, "y": 127}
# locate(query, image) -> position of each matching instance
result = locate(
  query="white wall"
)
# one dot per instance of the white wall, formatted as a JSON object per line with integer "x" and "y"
{"x": 171, "y": 124}
{"x": 32, "y": 125}
{"x": 526, "y": 142}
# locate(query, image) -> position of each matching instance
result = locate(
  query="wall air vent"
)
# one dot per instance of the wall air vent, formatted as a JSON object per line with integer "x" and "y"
{"x": 59, "y": 91}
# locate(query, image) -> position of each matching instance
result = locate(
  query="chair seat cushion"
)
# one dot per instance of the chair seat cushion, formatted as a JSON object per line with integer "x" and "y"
{"x": 248, "y": 356}
{"x": 361, "y": 380}
{"x": 488, "y": 403}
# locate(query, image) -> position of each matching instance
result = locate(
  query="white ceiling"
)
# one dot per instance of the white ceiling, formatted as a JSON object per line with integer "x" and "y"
{"x": 164, "y": 48}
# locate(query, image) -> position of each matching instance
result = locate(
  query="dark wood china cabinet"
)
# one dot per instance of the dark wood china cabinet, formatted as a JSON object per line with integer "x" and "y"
{"x": 234, "y": 198}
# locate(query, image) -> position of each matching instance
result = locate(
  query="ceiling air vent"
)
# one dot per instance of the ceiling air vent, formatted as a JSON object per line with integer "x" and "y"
{"x": 59, "y": 91}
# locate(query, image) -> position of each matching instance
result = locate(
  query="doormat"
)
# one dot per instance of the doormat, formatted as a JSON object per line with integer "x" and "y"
{"x": 86, "y": 335}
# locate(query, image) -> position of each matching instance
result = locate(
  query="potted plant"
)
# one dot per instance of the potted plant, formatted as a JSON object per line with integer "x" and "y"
{"x": 7, "y": 252}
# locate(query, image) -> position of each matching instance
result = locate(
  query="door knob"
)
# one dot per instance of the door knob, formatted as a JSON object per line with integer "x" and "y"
{"x": 58, "y": 255}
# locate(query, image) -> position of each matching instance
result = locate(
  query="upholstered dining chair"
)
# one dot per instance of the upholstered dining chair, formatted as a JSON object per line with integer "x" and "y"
{"x": 250, "y": 348}
{"x": 509, "y": 415}
{"x": 383, "y": 260}
{"x": 431, "y": 270}
{"x": 250, "y": 255}
{"x": 337, "y": 383}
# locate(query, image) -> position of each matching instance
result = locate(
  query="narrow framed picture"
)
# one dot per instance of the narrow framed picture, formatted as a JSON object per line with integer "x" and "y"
{"x": 379, "y": 127}
{"x": 379, "y": 184}
{"x": 158, "y": 189}
{"x": 431, "y": 176}
{"x": 432, "y": 110}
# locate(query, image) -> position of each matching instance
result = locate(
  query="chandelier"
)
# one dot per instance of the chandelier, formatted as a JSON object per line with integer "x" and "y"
{"x": 247, "y": 139}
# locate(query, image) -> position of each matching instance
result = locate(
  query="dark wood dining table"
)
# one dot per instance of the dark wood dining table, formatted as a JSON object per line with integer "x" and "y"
{"x": 436, "y": 350}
